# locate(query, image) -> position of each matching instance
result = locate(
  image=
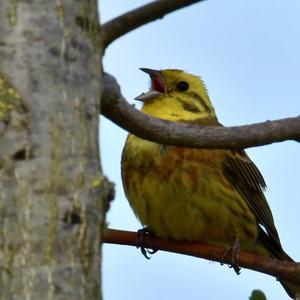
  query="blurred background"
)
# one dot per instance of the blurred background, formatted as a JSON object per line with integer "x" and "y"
{"x": 248, "y": 54}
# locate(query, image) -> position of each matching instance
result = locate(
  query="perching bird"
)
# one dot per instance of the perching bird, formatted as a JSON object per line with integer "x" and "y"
{"x": 207, "y": 195}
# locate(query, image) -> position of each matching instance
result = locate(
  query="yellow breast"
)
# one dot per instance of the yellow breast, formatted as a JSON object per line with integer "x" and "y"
{"x": 182, "y": 193}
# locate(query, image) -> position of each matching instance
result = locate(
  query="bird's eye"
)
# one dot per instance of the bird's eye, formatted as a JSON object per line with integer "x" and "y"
{"x": 183, "y": 86}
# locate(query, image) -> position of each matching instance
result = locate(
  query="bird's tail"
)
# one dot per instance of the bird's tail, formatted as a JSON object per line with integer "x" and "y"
{"x": 276, "y": 251}
{"x": 292, "y": 290}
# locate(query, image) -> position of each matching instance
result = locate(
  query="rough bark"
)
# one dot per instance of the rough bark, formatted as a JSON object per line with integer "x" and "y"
{"x": 50, "y": 177}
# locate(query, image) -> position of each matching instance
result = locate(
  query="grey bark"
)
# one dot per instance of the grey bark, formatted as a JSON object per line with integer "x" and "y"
{"x": 51, "y": 184}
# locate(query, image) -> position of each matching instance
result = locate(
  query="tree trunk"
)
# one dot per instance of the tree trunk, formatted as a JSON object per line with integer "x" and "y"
{"x": 51, "y": 211}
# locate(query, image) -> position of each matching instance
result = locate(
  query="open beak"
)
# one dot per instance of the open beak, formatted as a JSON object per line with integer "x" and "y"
{"x": 158, "y": 85}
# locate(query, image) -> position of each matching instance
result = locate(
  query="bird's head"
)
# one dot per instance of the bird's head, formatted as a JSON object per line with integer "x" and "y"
{"x": 176, "y": 95}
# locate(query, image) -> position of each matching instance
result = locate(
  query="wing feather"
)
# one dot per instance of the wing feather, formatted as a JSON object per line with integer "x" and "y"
{"x": 248, "y": 181}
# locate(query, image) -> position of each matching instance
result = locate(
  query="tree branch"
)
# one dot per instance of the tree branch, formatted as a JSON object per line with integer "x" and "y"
{"x": 127, "y": 22}
{"x": 289, "y": 271}
{"x": 117, "y": 109}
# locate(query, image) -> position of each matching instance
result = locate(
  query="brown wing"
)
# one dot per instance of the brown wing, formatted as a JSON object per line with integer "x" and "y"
{"x": 247, "y": 179}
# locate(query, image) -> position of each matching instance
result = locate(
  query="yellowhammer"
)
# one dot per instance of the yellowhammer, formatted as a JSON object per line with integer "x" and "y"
{"x": 205, "y": 195}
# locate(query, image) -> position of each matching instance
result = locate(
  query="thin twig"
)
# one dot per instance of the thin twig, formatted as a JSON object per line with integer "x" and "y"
{"x": 289, "y": 271}
{"x": 117, "y": 109}
{"x": 127, "y": 22}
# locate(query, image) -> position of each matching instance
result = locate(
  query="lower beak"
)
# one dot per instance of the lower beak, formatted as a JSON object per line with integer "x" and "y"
{"x": 147, "y": 96}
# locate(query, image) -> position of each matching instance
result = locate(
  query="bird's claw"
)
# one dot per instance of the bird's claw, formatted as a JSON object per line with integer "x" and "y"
{"x": 234, "y": 252}
{"x": 142, "y": 234}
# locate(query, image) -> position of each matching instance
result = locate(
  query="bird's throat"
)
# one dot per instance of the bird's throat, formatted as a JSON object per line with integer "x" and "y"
{"x": 176, "y": 109}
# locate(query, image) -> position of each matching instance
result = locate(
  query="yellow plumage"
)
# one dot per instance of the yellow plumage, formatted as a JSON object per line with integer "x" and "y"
{"x": 212, "y": 196}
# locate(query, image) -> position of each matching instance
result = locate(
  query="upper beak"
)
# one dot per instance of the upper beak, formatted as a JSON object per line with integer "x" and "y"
{"x": 157, "y": 85}
{"x": 151, "y": 72}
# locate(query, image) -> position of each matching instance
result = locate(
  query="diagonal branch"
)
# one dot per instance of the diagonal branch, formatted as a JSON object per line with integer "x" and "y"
{"x": 117, "y": 109}
{"x": 127, "y": 22}
{"x": 289, "y": 271}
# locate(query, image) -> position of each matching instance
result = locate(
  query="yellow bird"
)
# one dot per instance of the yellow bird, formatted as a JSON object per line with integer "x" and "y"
{"x": 212, "y": 196}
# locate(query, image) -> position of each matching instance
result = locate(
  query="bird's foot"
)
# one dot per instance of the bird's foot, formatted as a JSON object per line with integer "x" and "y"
{"x": 234, "y": 253}
{"x": 142, "y": 235}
